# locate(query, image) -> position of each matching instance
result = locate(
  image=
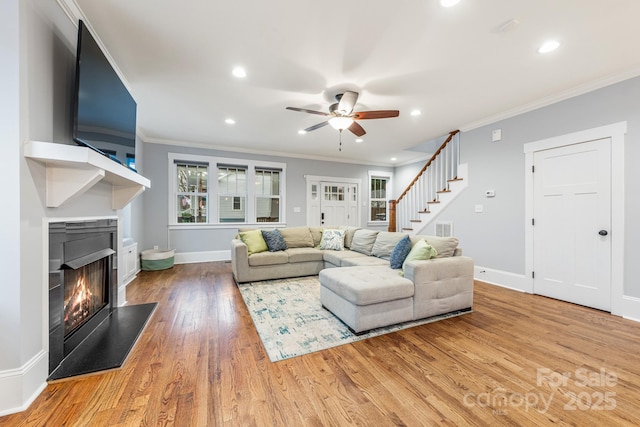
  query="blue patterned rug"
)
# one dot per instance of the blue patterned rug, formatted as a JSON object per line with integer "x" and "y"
{"x": 291, "y": 321}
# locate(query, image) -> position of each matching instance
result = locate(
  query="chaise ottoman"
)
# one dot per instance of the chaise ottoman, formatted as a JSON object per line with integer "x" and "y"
{"x": 366, "y": 298}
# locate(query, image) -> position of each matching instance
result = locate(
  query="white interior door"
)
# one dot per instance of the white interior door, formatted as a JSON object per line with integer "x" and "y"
{"x": 338, "y": 203}
{"x": 572, "y": 220}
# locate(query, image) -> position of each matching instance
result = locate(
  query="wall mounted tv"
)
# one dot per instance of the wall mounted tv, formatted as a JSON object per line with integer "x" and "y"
{"x": 104, "y": 112}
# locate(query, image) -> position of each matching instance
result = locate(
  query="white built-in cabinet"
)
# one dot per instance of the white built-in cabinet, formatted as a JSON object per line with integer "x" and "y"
{"x": 130, "y": 263}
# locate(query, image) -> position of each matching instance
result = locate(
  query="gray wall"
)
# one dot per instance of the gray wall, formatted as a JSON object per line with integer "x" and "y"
{"x": 496, "y": 238}
{"x": 206, "y": 239}
{"x": 36, "y": 81}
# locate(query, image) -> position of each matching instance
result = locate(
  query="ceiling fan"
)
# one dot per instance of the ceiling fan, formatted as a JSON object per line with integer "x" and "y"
{"x": 343, "y": 117}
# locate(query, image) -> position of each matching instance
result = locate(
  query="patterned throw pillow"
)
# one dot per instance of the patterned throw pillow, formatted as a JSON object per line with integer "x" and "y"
{"x": 400, "y": 252}
{"x": 275, "y": 241}
{"x": 332, "y": 240}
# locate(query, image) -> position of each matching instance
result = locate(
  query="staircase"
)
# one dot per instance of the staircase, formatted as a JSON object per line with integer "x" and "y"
{"x": 439, "y": 182}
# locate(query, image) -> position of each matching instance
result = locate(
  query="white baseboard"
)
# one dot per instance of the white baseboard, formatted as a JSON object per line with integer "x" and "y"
{"x": 193, "y": 257}
{"x": 629, "y": 308}
{"x": 20, "y": 387}
{"x": 517, "y": 282}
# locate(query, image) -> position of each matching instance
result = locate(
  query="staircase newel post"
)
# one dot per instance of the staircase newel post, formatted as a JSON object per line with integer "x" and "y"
{"x": 392, "y": 215}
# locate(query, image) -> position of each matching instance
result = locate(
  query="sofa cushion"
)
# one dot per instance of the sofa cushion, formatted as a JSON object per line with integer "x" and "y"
{"x": 268, "y": 258}
{"x": 304, "y": 254}
{"x": 385, "y": 242}
{"x": 274, "y": 240}
{"x": 363, "y": 241}
{"x": 364, "y": 261}
{"x": 332, "y": 240}
{"x": 446, "y": 246}
{"x": 348, "y": 235}
{"x": 316, "y": 235}
{"x": 421, "y": 250}
{"x": 367, "y": 285}
{"x": 254, "y": 241}
{"x": 400, "y": 252}
{"x": 297, "y": 237}
{"x": 337, "y": 257}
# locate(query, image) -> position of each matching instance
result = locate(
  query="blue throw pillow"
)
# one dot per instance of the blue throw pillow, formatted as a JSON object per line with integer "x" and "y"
{"x": 275, "y": 241}
{"x": 400, "y": 252}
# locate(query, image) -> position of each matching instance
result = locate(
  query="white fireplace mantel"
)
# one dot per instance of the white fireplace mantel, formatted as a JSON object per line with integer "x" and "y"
{"x": 72, "y": 170}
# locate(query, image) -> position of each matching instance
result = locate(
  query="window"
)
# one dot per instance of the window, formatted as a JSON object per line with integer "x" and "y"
{"x": 380, "y": 192}
{"x": 191, "y": 197}
{"x": 243, "y": 191}
{"x": 267, "y": 195}
{"x": 232, "y": 193}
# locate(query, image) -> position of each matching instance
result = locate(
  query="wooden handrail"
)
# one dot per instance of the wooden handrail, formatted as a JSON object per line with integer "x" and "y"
{"x": 435, "y": 155}
{"x": 393, "y": 203}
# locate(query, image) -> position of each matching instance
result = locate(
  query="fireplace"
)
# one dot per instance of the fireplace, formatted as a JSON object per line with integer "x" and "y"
{"x": 88, "y": 332}
{"x": 82, "y": 282}
{"x": 85, "y": 294}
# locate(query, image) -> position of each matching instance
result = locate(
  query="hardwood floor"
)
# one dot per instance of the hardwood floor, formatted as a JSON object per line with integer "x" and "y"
{"x": 518, "y": 359}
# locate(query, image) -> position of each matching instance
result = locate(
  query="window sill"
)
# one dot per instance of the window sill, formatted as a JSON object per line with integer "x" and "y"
{"x": 377, "y": 223}
{"x": 225, "y": 226}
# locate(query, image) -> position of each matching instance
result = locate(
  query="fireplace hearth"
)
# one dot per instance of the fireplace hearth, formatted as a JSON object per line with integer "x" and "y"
{"x": 88, "y": 332}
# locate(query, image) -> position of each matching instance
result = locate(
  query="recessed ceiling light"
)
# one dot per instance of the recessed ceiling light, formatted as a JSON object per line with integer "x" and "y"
{"x": 449, "y": 3}
{"x": 230, "y": 121}
{"x": 239, "y": 72}
{"x": 548, "y": 46}
{"x": 302, "y": 132}
{"x": 416, "y": 112}
{"x": 359, "y": 140}
{"x": 393, "y": 159}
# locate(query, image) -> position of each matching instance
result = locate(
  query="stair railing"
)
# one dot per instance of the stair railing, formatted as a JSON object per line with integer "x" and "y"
{"x": 432, "y": 180}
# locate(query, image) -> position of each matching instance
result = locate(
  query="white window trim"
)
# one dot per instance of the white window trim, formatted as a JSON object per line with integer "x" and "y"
{"x": 378, "y": 174}
{"x": 213, "y": 190}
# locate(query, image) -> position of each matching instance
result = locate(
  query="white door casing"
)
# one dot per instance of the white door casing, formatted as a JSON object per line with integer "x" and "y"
{"x": 572, "y": 213}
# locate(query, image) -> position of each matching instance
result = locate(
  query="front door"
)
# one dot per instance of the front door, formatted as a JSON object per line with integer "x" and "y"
{"x": 572, "y": 220}
{"x": 338, "y": 204}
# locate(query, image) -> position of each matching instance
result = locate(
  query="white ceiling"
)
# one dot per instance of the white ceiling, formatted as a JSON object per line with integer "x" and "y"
{"x": 453, "y": 64}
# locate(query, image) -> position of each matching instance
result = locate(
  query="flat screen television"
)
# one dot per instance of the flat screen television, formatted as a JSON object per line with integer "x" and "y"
{"x": 104, "y": 112}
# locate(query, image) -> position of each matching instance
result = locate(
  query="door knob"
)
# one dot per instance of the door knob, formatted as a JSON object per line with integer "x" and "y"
{"x": 603, "y": 232}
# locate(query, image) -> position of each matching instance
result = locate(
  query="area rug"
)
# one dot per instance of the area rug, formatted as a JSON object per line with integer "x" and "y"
{"x": 291, "y": 321}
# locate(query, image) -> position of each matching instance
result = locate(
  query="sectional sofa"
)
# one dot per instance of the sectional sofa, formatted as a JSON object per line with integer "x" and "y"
{"x": 363, "y": 280}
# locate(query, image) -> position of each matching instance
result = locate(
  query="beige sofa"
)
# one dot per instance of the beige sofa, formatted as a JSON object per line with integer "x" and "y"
{"x": 357, "y": 283}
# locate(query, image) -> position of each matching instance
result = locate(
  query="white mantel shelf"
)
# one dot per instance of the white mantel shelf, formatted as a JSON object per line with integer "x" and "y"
{"x": 73, "y": 169}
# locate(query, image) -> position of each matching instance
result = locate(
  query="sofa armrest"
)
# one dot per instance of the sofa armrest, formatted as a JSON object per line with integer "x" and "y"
{"x": 239, "y": 259}
{"x": 437, "y": 269}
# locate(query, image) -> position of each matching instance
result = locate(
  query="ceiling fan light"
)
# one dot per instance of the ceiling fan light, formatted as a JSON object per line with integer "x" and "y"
{"x": 340, "y": 123}
{"x": 548, "y": 46}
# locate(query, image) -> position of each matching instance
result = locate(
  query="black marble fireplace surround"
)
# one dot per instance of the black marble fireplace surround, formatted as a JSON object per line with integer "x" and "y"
{"x": 88, "y": 332}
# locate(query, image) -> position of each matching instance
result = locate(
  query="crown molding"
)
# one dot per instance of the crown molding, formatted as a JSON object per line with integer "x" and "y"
{"x": 553, "y": 99}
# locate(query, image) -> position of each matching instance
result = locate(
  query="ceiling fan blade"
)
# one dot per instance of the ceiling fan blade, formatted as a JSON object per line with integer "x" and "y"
{"x": 318, "y": 126}
{"x": 304, "y": 110}
{"x": 381, "y": 114}
{"x": 347, "y": 102}
{"x": 356, "y": 129}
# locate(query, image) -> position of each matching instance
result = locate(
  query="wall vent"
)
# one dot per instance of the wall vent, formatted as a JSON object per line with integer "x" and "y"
{"x": 444, "y": 228}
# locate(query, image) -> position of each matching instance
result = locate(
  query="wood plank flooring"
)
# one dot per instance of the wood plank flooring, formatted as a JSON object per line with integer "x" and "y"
{"x": 518, "y": 359}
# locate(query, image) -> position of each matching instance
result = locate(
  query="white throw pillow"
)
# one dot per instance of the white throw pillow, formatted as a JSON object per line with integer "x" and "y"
{"x": 332, "y": 240}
